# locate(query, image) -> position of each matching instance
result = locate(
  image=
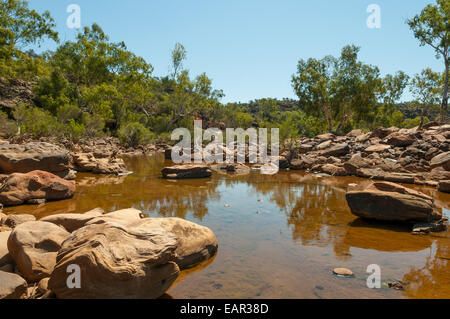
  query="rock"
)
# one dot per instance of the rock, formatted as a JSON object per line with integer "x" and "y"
{"x": 397, "y": 285}
{"x": 391, "y": 202}
{"x": 88, "y": 162}
{"x": 116, "y": 262}
{"x": 25, "y": 158}
{"x": 400, "y": 140}
{"x": 377, "y": 148}
{"x": 305, "y": 148}
{"x": 43, "y": 285}
{"x": 333, "y": 170}
{"x": 439, "y": 174}
{"x": 121, "y": 216}
{"x": 5, "y": 257}
{"x": 355, "y": 133}
{"x": 34, "y": 246}
{"x": 444, "y": 186}
{"x": 13, "y": 220}
{"x": 234, "y": 168}
{"x": 336, "y": 150}
{"x": 325, "y": 137}
{"x": 323, "y": 145}
{"x": 195, "y": 243}
{"x": 301, "y": 164}
{"x": 12, "y": 286}
{"x": 186, "y": 171}
{"x": 372, "y": 173}
{"x": 426, "y": 228}
{"x": 343, "y": 272}
{"x": 72, "y": 222}
{"x": 20, "y": 188}
{"x": 405, "y": 178}
{"x": 356, "y": 162}
{"x": 441, "y": 160}
{"x": 382, "y": 132}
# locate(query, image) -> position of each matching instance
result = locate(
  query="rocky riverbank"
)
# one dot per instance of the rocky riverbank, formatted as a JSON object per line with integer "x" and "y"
{"x": 120, "y": 254}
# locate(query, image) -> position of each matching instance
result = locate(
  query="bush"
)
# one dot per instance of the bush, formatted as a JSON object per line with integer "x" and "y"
{"x": 134, "y": 134}
{"x": 36, "y": 122}
{"x": 7, "y": 127}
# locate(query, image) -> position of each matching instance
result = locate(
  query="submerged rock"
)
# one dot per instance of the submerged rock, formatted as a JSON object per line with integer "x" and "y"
{"x": 20, "y": 188}
{"x": 391, "y": 202}
{"x": 343, "y": 272}
{"x": 444, "y": 186}
{"x": 186, "y": 171}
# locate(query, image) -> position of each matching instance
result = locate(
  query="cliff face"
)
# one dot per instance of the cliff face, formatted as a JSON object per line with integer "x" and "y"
{"x": 13, "y": 92}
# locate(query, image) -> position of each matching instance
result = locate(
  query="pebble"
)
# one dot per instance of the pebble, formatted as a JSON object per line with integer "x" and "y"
{"x": 343, "y": 272}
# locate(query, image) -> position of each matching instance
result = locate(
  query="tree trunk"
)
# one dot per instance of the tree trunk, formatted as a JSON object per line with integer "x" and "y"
{"x": 444, "y": 106}
{"x": 328, "y": 116}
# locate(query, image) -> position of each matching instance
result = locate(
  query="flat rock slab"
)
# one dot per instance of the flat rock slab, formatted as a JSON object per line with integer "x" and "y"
{"x": 24, "y": 158}
{"x": 186, "y": 171}
{"x": 392, "y": 202}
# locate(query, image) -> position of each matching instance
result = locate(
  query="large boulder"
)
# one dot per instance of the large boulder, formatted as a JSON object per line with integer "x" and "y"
{"x": 441, "y": 160}
{"x": 21, "y": 188}
{"x": 5, "y": 257}
{"x": 186, "y": 171}
{"x": 34, "y": 246}
{"x": 391, "y": 202}
{"x": 12, "y": 286}
{"x": 195, "y": 243}
{"x": 24, "y": 158}
{"x": 354, "y": 163}
{"x": 72, "y": 222}
{"x": 116, "y": 261}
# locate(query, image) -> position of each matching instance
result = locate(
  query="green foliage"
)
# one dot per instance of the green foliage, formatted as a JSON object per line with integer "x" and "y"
{"x": 410, "y": 123}
{"x": 432, "y": 27}
{"x": 135, "y": 134}
{"x": 7, "y": 127}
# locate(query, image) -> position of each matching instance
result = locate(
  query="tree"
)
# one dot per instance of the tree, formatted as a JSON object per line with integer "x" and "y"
{"x": 179, "y": 54}
{"x": 432, "y": 27}
{"x": 425, "y": 88}
{"x": 337, "y": 89}
{"x": 21, "y": 26}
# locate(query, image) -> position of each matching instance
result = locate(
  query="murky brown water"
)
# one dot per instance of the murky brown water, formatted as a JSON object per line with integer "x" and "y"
{"x": 280, "y": 237}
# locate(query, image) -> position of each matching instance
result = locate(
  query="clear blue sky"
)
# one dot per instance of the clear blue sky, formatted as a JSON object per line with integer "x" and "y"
{"x": 250, "y": 48}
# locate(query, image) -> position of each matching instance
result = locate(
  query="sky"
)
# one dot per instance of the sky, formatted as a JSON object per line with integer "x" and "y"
{"x": 250, "y": 48}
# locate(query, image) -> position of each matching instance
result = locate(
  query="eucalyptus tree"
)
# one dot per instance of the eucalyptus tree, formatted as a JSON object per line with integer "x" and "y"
{"x": 432, "y": 27}
{"x": 425, "y": 88}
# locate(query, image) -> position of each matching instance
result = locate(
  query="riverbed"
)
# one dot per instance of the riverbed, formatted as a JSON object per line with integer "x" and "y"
{"x": 279, "y": 236}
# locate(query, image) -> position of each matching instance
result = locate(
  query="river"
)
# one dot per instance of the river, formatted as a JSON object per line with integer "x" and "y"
{"x": 279, "y": 236}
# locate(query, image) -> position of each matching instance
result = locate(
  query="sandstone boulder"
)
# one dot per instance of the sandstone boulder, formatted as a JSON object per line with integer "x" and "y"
{"x": 72, "y": 222}
{"x": 99, "y": 164}
{"x": 186, "y": 171}
{"x": 122, "y": 216}
{"x": 195, "y": 243}
{"x": 24, "y": 158}
{"x": 116, "y": 262}
{"x": 377, "y": 148}
{"x": 13, "y": 220}
{"x": 391, "y": 202}
{"x": 34, "y": 246}
{"x": 441, "y": 160}
{"x": 5, "y": 257}
{"x": 21, "y": 188}
{"x": 400, "y": 140}
{"x": 12, "y": 286}
{"x": 336, "y": 150}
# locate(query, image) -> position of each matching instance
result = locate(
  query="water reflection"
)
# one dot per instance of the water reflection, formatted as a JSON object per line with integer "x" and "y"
{"x": 279, "y": 236}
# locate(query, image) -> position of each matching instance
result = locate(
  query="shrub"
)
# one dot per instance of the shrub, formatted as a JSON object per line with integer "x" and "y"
{"x": 134, "y": 134}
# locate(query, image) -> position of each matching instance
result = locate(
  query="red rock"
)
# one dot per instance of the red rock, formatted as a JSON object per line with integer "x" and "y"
{"x": 20, "y": 188}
